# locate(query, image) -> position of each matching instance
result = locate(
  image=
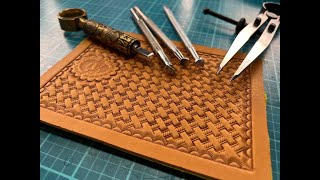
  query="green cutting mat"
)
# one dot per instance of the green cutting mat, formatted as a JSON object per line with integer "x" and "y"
{"x": 66, "y": 156}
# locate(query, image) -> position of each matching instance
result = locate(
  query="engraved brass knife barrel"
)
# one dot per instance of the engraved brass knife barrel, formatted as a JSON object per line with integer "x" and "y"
{"x": 76, "y": 19}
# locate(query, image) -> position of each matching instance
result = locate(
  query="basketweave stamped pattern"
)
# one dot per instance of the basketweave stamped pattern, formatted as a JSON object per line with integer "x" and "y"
{"x": 195, "y": 112}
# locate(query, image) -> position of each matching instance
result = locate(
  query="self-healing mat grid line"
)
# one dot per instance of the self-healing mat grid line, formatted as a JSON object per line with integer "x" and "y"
{"x": 67, "y": 156}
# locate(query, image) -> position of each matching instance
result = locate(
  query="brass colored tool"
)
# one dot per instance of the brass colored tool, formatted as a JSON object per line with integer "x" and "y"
{"x": 75, "y": 19}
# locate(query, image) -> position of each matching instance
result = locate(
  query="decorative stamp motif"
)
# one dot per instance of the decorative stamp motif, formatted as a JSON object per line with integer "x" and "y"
{"x": 95, "y": 66}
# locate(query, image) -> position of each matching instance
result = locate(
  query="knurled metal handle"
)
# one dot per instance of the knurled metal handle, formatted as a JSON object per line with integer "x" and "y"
{"x": 75, "y": 19}
{"x": 110, "y": 36}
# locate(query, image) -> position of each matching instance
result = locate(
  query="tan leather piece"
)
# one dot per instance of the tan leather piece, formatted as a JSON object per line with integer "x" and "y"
{"x": 195, "y": 121}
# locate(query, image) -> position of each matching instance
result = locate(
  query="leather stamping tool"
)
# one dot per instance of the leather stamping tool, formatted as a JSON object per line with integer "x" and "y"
{"x": 168, "y": 67}
{"x": 156, "y": 30}
{"x": 198, "y": 60}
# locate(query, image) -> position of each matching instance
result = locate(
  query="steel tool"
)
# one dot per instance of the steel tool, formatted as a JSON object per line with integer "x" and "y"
{"x": 74, "y": 19}
{"x": 168, "y": 67}
{"x": 198, "y": 60}
{"x": 269, "y": 11}
{"x": 156, "y": 30}
{"x": 239, "y": 24}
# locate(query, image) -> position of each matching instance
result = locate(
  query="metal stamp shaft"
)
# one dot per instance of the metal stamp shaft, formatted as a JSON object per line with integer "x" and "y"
{"x": 198, "y": 60}
{"x": 156, "y": 30}
{"x": 154, "y": 44}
